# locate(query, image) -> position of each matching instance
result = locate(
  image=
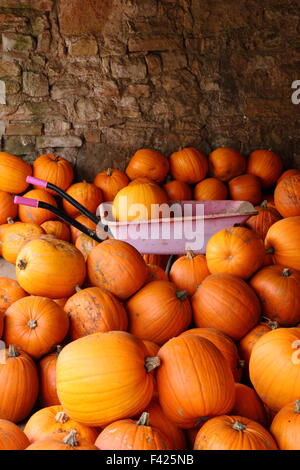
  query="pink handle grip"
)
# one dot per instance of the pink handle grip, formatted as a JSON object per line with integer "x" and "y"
{"x": 36, "y": 181}
{"x": 25, "y": 201}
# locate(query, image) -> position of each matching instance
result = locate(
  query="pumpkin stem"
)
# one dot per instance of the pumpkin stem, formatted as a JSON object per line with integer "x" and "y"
{"x": 297, "y": 406}
{"x": 70, "y": 439}
{"x": 78, "y": 289}
{"x": 58, "y": 350}
{"x": 271, "y": 323}
{"x": 10, "y": 220}
{"x": 56, "y": 158}
{"x": 61, "y": 417}
{"x": 144, "y": 419}
{"x": 190, "y": 254}
{"x": 32, "y": 324}
{"x": 264, "y": 204}
{"x": 182, "y": 295}
{"x": 238, "y": 426}
{"x": 152, "y": 363}
{"x": 108, "y": 172}
{"x": 270, "y": 250}
{"x": 22, "y": 264}
{"x": 12, "y": 351}
{"x": 286, "y": 272}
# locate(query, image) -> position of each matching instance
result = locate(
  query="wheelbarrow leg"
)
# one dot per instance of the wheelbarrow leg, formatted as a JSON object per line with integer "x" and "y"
{"x": 171, "y": 260}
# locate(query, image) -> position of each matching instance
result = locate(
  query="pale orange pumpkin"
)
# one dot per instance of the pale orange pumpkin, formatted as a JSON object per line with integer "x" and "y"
{"x": 189, "y": 165}
{"x": 36, "y": 215}
{"x": 85, "y": 245}
{"x": 110, "y": 182}
{"x": 16, "y": 236}
{"x": 210, "y": 189}
{"x": 265, "y": 164}
{"x": 245, "y": 188}
{"x": 13, "y": 173}
{"x": 148, "y": 163}
{"x": 54, "y": 169}
{"x": 58, "y": 229}
{"x": 87, "y": 194}
{"x": 189, "y": 271}
{"x": 8, "y": 210}
{"x": 63, "y": 441}
{"x": 3, "y": 228}
{"x": 10, "y": 292}
{"x": 225, "y": 163}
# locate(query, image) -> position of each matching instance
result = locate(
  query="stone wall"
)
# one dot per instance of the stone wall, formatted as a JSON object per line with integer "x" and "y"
{"x": 94, "y": 80}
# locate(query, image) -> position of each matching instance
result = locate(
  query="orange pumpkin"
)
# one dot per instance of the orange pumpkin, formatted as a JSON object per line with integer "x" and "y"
{"x": 93, "y": 363}
{"x": 13, "y": 173}
{"x": 3, "y": 228}
{"x": 11, "y": 436}
{"x": 227, "y": 303}
{"x": 285, "y": 174}
{"x": 141, "y": 180}
{"x": 178, "y": 191}
{"x": 75, "y": 233}
{"x": 47, "y": 375}
{"x": 63, "y": 441}
{"x": 233, "y": 433}
{"x": 85, "y": 245}
{"x": 156, "y": 273}
{"x": 58, "y": 229}
{"x": 10, "y": 292}
{"x": 189, "y": 271}
{"x": 18, "y": 385}
{"x": 236, "y": 250}
{"x": 225, "y": 163}
{"x": 61, "y": 302}
{"x": 158, "y": 312}
{"x": 54, "y": 169}
{"x": 15, "y": 237}
{"x": 283, "y": 242}
{"x": 269, "y": 197}
{"x": 260, "y": 223}
{"x": 8, "y": 210}
{"x": 158, "y": 260}
{"x": 285, "y": 426}
{"x": 188, "y": 165}
{"x": 193, "y": 367}
{"x": 152, "y": 348}
{"x": 33, "y": 215}
{"x": 110, "y": 182}
{"x": 266, "y": 165}
{"x": 287, "y": 196}
{"x": 117, "y": 267}
{"x": 245, "y": 188}
{"x": 148, "y": 163}
{"x": 88, "y": 195}
{"x": 210, "y": 189}
{"x": 249, "y": 405}
{"x": 50, "y": 268}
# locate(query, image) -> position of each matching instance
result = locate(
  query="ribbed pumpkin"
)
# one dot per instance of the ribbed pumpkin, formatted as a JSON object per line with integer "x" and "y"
{"x": 58, "y": 229}
{"x": 141, "y": 180}
{"x": 194, "y": 380}
{"x": 75, "y": 233}
{"x": 47, "y": 375}
{"x": 290, "y": 172}
{"x": 87, "y": 194}
{"x": 227, "y": 303}
{"x": 85, "y": 245}
{"x": 238, "y": 250}
{"x": 128, "y": 434}
{"x": 148, "y": 163}
{"x": 35, "y": 324}
{"x": 286, "y": 426}
{"x": 178, "y": 191}
{"x": 118, "y": 267}
{"x": 54, "y": 169}
{"x": 233, "y": 433}
{"x": 12, "y": 437}
{"x": 278, "y": 289}
{"x": 50, "y": 268}
{"x": 189, "y": 271}
{"x": 52, "y": 420}
{"x": 156, "y": 273}
{"x": 8, "y": 210}
{"x": 210, "y": 189}
{"x": 18, "y": 385}
{"x": 10, "y": 292}
{"x": 13, "y": 173}
{"x": 33, "y": 215}
{"x": 110, "y": 182}
{"x": 260, "y": 223}
{"x": 225, "y": 345}
{"x": 225, "y": 163}
{"x": 3, "y": 228}
{"x": 287, "y": 196}
{"x": 15, "y": 237}
{"x": 249, "y": 405}
{"x": 189, "y": 165}
{"x": 159, "y": 260}
{"x": 152, "y": 348}
{"x": 158, "y": 312}
{"x": 245, "y": 188}
{"x": 63, "y": 441}
{"x": 266, "y": 165}
{"x": 94, "y": 310}
{"x": 275, "y": 367}
{"x": 114, "y": 365}
{"x": 283, "y": 242}
{"x": 61, "y": 302}
{"x": 139, "y": 202}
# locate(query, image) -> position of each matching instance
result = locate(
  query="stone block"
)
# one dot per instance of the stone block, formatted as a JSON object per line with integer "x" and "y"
{"x": 42, "y": 5}
{"x": 140, "y": 44}
{"x": 23, "y": 128}
{"x": 12, "y": 86}
{"x": 9, "y": 69}
{"x": 35, "y": 84}
{"x": 57, "y": 127}
{"x": 10, "y": 22}
{"x": 129, "y": 67}
{"x": 84, "y": 48}
{"x": 58, "y": 141}
{"x": 12, "y": 42}
{"x": 77, "y": 18}
{"x": 19, "y": 145}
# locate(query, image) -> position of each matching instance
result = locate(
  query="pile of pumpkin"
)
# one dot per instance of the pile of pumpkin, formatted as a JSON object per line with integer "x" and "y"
{"x": 105, "y": 350}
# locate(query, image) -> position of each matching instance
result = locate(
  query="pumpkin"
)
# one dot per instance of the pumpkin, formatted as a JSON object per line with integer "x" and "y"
{"x": 290, "y": 172}
{"x": 15, "y": 237}
{"x": 63, "y": 441}
{"x": 152, "y": 348}
{"x": 227, "y": 303}
{"x": 58, "y": 229}
{"x": 114, "y": 365}
{"x": 245, "y": 188}
{"x": 36, "y": 215}
{"x": 118, "y": 267}
{"x": 53, "y": 420}
{"x": 110, "y": 182}
{"x": 35, "y": 324}
{"x": 178, "y": 191}
{"x": 225, "y": 163}
{"x": 12, "y": 437}
{"x": 238, "y": 250}
{"x": 75, "y": 233}
{"x": 158, "y": 311}
{"x": 61, "y": 302}
{"x": 94, "y": 310}
{"x": 194, "y": 380}
{"x": 141, "y": 180}
{"x": 8, "y": 210}
{"x": 249, "y": 405}
{"x": 188, "y": 165}
{"x": 156, "y": 273}
{"x": 285, "y": 426}
{"x": 87, "y": 194}
{"x": 260, "y": 223}
{"x": 266, "y": 165}
{"x": 10, "y": 292}
{"x": 47, "y": 375}
{"x": 54, "y": 169}
{"x": 278, "y": 289}
{"x": 189, "y": 271}
{"x": 148, "y": 163}
{"x": 85, "y": 245}
{"x": 139, "y": 202}
{"x": 50, "y": 268}
{"x": 287, "y": 196}
{"x": 3, "y": 228}
{"x": 233, "y": 433}
{"x": 210, "y": 189}
{"x": 158, "y": 260}
{"x": 128, "y": 434}
{"x": 275, "y": 367}
{"x": 225, "y": 345}
{"x": 283, "y": 242}
{"x": 18, "y": 385}
{"x": 13, "y": 173}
